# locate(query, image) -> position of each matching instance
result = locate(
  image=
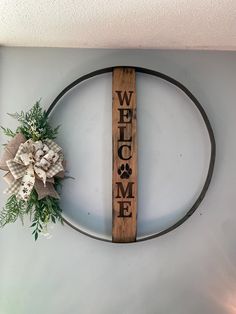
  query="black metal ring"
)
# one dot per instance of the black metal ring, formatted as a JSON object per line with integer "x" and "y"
{"x": 205, "y": 119}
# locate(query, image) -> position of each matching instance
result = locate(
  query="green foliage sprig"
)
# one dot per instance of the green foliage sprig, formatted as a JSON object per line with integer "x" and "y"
{"x": 8, "y": 132}
{"x": 33, "y": 124}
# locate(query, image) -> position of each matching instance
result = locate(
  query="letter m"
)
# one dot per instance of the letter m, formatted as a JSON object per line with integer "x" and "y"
{"x": 125, "y": 192}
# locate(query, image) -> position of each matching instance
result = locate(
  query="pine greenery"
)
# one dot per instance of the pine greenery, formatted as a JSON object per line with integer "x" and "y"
{"x": 13, "y": 209}
{"x": 8, "y": 132}
{"x": 33, "y": 124}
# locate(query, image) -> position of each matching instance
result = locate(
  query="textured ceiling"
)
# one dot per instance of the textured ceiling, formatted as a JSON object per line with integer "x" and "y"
{"x": 194, "y": 24}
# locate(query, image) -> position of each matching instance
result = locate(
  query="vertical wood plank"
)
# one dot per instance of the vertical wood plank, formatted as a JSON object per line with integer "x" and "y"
{"x": 124, "y": 140}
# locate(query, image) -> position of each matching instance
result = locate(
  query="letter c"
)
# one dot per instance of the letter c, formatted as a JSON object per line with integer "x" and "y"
{"x": 120, "y": 152}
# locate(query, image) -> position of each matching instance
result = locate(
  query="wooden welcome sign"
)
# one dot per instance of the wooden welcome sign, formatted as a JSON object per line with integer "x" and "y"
{"x": 124, "y": 139}
{"x": 124, "y": 150}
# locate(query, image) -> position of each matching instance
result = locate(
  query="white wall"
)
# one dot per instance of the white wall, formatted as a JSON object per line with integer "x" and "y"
{"x": 202, "y": 24}
{"x": 192, "y": 269}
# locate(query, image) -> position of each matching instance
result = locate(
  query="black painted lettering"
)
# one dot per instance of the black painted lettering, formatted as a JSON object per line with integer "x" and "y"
{"x": 125, "y": 97}
{"x": 125, "y": 192}
{"x": 122, "y": 134}
{"x": 124, "y": 209}
{"x": 120, "y": 152}
{"x": 125, "y": 115}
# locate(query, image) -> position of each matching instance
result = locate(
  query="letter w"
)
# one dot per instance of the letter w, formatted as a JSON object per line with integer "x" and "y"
{"x": 125, "y": 97}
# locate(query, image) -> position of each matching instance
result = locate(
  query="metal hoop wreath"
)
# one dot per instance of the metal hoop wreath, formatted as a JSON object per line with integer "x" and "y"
{"x": 207, "y": 124}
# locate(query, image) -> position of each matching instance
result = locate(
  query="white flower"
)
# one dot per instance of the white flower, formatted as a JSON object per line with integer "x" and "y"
{"x": 45, "y": 233}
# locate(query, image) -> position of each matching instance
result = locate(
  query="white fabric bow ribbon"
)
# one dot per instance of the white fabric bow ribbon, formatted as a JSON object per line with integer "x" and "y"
{"x": 34, "y": 161}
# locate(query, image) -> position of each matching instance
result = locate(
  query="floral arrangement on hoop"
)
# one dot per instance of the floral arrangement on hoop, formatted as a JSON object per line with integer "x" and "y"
{"x": 34, "y": 166}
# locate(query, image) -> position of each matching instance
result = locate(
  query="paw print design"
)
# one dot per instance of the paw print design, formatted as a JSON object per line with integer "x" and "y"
{"x": 124, "y": 171}
{"x": 25, "y": 190}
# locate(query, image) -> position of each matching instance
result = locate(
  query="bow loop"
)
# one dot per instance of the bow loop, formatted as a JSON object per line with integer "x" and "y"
{"x": 31, "y": 164}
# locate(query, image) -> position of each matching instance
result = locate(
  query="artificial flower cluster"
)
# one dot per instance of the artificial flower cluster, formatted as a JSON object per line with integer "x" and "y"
{"x": 34, "y": 166}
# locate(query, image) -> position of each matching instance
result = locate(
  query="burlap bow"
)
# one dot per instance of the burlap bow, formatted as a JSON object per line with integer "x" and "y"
{"x": 31, "y": 165}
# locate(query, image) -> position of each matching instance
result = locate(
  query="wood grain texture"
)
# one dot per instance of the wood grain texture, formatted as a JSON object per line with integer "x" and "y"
{"x": 124, "y": 140}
